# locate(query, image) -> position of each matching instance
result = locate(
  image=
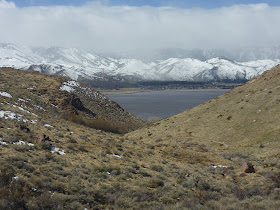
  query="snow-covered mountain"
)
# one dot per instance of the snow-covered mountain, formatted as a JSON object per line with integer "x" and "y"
{"x": 84, "y": 66}
{"x": 237, "y": 54}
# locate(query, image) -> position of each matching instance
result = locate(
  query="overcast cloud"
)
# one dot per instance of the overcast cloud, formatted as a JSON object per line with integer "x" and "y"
{"x": 95, "y": 26}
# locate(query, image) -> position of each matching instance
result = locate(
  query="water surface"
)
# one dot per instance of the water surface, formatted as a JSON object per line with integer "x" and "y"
{"x": 163, "y": 103}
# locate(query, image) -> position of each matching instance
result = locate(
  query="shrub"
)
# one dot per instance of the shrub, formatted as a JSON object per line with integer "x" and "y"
{"x": 71, "y": 147}
{"x": 46, "y": 146}
{"x": 130, "y": 169}
{"x": 6, "y": 176}
{"x": 72, "y": 141}
{"x": 144, "y": 173}
{"x": 153, "y": 183}
{"x": 143, "y": 195}
{"x": 82, "y": 148}
{"x": 150, "y": 146}
{"x": 46, "y": 200}
{"x": 22, "y": 148}
{"x": 30, "y": 168}
{"x": 275, "y": 178}
{"x": 157, "y": 168}
{"x": 97, "y": 123}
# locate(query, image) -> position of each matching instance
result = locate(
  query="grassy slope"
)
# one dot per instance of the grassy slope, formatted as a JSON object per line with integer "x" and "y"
{"x": 242, "y": 119}
{"x": 166, "y": 165}
{"x": 44, "y": 91}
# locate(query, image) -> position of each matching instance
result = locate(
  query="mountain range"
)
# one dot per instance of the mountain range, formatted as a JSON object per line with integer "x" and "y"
{"x": 238, "y": 54}
{"x": 96, "y": 69}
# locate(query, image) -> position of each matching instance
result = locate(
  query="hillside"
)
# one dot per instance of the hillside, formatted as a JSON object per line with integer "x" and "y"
{"x": 242, "y": 126}
{"x": 246, "y": 116}
{"x": 54, "y": 155}
{"x": 244, "y": 120}
{"x": 105, "y": 72}
{"x": 60, "y": 97}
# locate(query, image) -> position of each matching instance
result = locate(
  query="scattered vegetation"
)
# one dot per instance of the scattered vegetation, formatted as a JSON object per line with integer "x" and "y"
{"x": 99, "y": 124}
{"x": 168, "y": 165}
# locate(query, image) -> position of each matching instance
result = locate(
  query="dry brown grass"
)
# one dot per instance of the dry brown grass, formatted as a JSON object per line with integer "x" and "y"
{"x": 99, "y": 124}
{"x": 165, "y": 166}
{"x": 240, "y": 120}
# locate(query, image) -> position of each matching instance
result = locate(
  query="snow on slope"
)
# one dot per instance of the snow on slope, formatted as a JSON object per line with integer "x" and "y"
{"x": 181, "y": 69}
{"x": 77, "y": 64}
{"x": 17, "y": 55}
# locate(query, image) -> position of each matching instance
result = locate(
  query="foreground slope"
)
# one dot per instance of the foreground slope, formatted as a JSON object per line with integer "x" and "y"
{"x": 242, "y": 126}
{"x": 53, "y": 156}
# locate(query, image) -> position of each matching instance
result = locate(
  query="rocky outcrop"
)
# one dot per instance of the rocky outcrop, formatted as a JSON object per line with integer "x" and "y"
{"x": 247, "y": 168}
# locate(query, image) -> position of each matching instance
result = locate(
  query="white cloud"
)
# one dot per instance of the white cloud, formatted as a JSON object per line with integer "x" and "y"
{"x": 95, "y": 26}
{"x": 6, "y": 5}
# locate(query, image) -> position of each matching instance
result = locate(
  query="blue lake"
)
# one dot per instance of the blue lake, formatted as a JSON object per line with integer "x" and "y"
{"x": 164, "y": 103}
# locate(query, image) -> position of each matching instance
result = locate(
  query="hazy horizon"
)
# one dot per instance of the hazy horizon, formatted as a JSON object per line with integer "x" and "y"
{"x": 102, "y": 27}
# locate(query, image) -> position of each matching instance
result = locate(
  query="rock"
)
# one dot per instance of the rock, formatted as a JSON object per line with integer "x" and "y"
{"x": 24, "y": 128}
{"x": 42, "y": 137}
{"x": 247, "y": 168}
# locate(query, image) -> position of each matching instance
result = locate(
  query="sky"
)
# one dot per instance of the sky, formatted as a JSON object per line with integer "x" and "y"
{"x": 125, "y": 25}
{"x": 156, "y": 3}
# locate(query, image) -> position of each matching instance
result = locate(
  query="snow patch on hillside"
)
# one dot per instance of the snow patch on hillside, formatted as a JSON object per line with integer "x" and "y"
{"x": 67, "y": 88}
{"x": 12, "y": 116}
{"x": 57, "y": 150}
{"x": 5, "y": 94}
{"x": 23, "y": 143}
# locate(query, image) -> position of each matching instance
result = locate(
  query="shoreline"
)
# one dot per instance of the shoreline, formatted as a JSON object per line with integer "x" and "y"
{"x": 122, "y": 91}
{"x": 162, "y": 86}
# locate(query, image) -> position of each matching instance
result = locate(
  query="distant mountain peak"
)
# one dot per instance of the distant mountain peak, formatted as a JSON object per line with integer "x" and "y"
{"x": 95, "y": 69}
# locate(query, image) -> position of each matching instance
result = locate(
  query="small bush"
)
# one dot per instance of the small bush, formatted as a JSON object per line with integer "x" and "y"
{"x": 46, "y": 146}
{"x": 157, "y": 168}
{"x": 82, "y": 148}
{"x": 130, "y": 169}
{"x": 143, "y": 195}
{"x": 22, "y": 148}
{"x": 150, "y": 146}
{"x": 6, "y": 176}
{"x": 275, "y": 178}
{"x": 72, "y": 141}
{"x": 96, "y": 123}
{"x": 153, "y": 183}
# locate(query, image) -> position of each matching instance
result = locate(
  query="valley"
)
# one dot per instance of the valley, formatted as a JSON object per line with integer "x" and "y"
{"x": 139, "y": 105}
{"x": 64, "y": 145}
